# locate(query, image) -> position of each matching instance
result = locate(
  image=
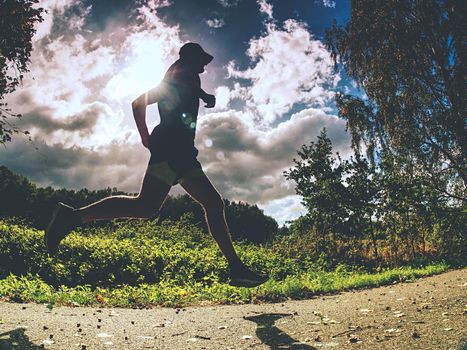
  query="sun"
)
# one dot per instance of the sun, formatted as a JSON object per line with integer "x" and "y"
{"x": 141, "y": 69}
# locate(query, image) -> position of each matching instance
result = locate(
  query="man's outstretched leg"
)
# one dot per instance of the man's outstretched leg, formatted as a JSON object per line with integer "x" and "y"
{"x": 146, "y": 204}
{"x": 201, "y": 189}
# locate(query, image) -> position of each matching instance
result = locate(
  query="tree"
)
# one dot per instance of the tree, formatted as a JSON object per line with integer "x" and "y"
{"x": 401, "y": 194}
{"x": 36, "y": 204}
{"x": 318, "y": 177}
{"x": 17, "y": 20}
{"x": 409, "y": 57}
{"x": 246, "y": 221}
{"x": 362, "y": 202}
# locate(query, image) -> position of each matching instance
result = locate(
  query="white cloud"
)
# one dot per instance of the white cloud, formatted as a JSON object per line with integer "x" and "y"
{"x": 215, "y": 23}
{"x": 72, "y": 70}
{"x": 78, "y": 105}
{"x": 116, "y": 164}
{"x": 62, "y": 71}
{"x": 52, "y": 8}
{"x": 284, "y": 209}
{"x": 228, "y": 3}
{"x": 155, "y": 4}
{"x": 222, "y": 94}
{"x": 148, "y": 49}
{"x": 265, "y": 7}
{"x": 55, "y": 12}
{"x": 288, "y": 67}
{"x": 248, "y": 163}
{"x": 329, "y": 3}
{"x": 76, "y": 100}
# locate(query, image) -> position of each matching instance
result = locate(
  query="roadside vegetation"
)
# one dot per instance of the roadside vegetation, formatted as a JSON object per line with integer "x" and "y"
{"x": 139, "y": 264}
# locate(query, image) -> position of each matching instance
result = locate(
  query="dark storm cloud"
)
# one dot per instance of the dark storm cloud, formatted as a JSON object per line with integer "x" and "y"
{"x": 226, "y": 133}
{"x": 115, "y": 165}
{"x": 247, "y": 164}
{"x": 83, "y": 122}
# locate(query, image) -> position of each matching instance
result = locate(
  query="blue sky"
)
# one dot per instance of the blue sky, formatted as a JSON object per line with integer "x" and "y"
{"x": 271, "y": 74}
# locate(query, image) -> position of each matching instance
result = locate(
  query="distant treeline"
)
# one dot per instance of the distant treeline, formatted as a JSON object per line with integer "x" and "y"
{"x": 19, "y": 197}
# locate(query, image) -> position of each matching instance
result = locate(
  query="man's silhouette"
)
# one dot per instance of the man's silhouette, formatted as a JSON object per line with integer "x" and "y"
{"x": 173, "y": 160}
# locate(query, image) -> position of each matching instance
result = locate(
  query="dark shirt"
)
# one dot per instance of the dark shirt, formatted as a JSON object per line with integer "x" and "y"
{"x": 179, "y": 94}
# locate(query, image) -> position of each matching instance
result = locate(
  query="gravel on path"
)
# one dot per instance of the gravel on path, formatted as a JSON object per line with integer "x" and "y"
{"x": 428, "y": 313}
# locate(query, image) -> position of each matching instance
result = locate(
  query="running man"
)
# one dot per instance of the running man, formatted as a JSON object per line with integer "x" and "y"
{"x": 173, "y": 160}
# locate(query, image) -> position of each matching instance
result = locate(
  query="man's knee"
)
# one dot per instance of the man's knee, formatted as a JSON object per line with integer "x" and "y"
{"x": 148, "y": 206}
{"x": 214, "y": 204}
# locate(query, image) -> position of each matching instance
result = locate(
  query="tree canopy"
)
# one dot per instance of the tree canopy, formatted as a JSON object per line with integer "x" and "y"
{"x": 17, "y": 21}
{"x": 409, "y": 57}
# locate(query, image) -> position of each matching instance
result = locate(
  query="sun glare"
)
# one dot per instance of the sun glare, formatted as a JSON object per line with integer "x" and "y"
{"x": 142, "y": 68}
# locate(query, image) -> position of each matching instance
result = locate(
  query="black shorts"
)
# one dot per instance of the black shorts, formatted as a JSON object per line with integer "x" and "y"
{"x": 173, "y": 155}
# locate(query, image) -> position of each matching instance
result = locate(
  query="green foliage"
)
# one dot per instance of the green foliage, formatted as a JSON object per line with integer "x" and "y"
{"x": 128, "y": 253}
{"x": 392, "y": 205}
{"x": 318, "y": 178}
{"x": 246, "y": 221}
{"x": 17, "y": 20}
{"x": 32, "y": 288}
{"x": 35, "y": 204}
{"x": 169, "y": 263}
{"x": 409, "y": 57}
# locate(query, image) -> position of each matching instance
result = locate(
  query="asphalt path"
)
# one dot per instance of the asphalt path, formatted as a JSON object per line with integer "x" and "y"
{"x": 428, "y": 313}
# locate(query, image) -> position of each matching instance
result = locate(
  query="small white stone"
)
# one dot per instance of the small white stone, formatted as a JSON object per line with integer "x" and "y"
{"x": 365, "y": 311}
{"x": 104, "y": 335}
{"x": 146, "y": 337}
{"x": 313, "y": 322}
{"x": 393, "y": 330}
{"x": 114, "y": 313}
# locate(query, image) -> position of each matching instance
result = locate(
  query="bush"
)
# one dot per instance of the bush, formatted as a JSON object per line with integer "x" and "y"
{"x": 141, "y": 263}
{"x": 130, "y": 252}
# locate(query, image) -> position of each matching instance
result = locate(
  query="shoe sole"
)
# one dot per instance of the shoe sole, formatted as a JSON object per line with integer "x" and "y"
{"x": 246, "y": 282}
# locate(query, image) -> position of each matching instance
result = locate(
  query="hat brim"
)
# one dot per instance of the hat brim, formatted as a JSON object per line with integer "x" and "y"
{"x": 207, "y": 58}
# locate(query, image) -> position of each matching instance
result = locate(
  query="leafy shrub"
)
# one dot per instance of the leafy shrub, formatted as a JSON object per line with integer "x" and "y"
{"x": 130, "y": 253}
{"x": 141, "y": 263}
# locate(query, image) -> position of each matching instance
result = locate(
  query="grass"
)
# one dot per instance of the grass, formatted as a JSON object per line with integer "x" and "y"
{"x": 31, "y": 288}
{"x": 138, "y": 264}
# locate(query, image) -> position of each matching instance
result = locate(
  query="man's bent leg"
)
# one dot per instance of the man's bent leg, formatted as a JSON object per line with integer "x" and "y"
{"x": 152, "y": 195}
{"x": 202, "y": 190}
{"x": 65, "y": 218}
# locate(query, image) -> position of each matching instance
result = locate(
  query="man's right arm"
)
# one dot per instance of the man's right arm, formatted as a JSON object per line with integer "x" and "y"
{"x": 139, "y": 112}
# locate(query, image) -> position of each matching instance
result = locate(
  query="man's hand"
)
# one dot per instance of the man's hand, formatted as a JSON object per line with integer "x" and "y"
{"x": 210, "y": 100}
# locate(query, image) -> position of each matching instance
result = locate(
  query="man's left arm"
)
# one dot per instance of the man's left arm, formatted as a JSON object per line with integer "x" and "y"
{"x": 210, "y": 100}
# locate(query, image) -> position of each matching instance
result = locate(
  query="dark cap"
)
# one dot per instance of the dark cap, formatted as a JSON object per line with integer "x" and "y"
{"x": 190, "y": 51}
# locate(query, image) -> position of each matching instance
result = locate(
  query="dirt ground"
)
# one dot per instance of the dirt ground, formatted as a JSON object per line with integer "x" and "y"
{"x": 429, "y": 313}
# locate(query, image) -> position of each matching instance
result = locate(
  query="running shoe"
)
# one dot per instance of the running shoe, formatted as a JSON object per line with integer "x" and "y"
{"x": 64, "y": 219}
{"x": 247, "y": 278}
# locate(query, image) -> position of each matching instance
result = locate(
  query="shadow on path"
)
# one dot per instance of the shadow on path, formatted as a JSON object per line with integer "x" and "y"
{"x": 16, "y": 339}
{"x": 272, "y": 336}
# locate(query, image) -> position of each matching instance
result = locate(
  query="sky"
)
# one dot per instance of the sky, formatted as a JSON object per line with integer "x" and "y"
{"x": 272, "y": 76}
